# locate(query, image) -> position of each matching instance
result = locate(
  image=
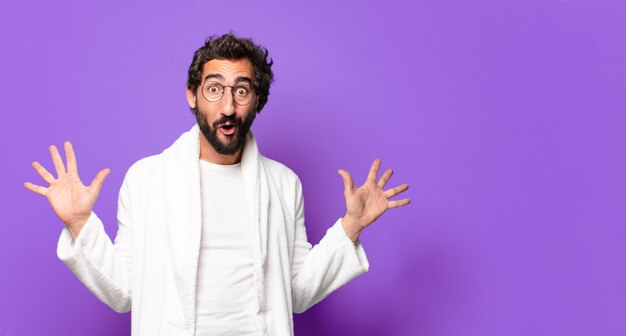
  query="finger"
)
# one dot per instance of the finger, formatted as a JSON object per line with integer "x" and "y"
{"x": 97, "y": 182}
{"x": 58, "y": 162}
{"x": 393, "y": 192}
{"x": 43, "y": 172}
{"x": 348, "y": 183}
{"x": 371, "y": 177}
{"x": 70, "y": 156}
{"x": 398, "y": 203}
{"x": 36, "y": 189}
{"x": 383, "y": 179}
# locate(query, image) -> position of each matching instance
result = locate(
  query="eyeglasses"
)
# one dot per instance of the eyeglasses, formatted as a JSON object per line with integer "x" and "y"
{"x": 242, "y": 93}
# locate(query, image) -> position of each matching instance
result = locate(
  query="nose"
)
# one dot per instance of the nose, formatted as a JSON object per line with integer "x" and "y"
{"x": 228, "y": 102}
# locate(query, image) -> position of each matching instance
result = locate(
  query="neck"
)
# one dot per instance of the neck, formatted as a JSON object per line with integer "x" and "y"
{"x": 208, "y": 153}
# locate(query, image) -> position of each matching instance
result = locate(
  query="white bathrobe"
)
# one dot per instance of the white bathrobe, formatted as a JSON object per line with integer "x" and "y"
{"x": 151, "y": 268}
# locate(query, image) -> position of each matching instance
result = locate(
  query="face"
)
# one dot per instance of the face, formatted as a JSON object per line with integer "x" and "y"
{"x": 225, "y": 123}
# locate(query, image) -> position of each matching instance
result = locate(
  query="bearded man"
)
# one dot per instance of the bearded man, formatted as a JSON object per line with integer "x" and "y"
{"x": 211, "y": 237}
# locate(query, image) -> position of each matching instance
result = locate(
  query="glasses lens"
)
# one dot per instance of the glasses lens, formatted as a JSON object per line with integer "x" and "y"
{"x": 242, "y": 94}
{"x": 212, "y": 91}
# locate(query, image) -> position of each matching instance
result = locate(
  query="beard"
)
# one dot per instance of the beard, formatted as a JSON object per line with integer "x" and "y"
{"x": 210, "y": 131}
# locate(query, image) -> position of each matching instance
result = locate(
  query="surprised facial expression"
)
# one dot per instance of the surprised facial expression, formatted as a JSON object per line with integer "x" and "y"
{"x": 226, "y": 122}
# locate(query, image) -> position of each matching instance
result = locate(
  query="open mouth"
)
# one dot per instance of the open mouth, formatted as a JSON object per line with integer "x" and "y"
{"x": 228, "y": 128}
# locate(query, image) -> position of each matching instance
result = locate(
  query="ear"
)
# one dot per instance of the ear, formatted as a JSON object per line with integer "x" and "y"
{"x": 191, "y": 98}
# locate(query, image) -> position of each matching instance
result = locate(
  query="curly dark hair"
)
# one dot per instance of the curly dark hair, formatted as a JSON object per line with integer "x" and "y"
{"x": 228, "y": 46}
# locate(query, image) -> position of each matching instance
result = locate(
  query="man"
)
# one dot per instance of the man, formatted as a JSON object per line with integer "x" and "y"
{"x": 211, "y": 237}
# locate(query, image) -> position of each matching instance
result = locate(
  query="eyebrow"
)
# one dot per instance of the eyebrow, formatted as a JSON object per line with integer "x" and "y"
{"x": 220, "y": 77}
{"x": 243, "y": 79}
{"x": 213, "y": 75}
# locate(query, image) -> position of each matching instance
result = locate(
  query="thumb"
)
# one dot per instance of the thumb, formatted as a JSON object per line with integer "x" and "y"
{"x": 348, "y": 184}
{"x": 97, "y": 182}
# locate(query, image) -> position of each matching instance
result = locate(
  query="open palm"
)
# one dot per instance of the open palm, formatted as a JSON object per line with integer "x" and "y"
{"x": 365, "y": 204}
{"x": 70, "y": 199}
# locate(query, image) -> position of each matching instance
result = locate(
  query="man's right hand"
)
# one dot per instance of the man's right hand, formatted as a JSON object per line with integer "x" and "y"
{"x": 70, "y": 199}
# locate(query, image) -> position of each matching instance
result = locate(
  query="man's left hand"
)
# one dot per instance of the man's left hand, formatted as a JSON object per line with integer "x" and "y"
{"x": 365, "y": 204}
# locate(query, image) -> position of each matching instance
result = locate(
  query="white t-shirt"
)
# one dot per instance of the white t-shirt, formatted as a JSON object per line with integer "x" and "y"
{"x": 225, "y": 293}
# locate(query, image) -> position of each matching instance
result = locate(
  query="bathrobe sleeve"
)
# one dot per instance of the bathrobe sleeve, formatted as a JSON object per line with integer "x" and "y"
{"x": 102, "y": 266}
{"x": 318, "y": 271}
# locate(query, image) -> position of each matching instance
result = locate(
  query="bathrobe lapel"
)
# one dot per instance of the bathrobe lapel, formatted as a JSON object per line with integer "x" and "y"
{"x": 257, "y": 193}
{"x": 183, "y": 218}
{"x": 183, "y": 223}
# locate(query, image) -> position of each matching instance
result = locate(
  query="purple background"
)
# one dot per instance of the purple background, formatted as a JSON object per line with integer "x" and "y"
{"x": 507, "y": 118}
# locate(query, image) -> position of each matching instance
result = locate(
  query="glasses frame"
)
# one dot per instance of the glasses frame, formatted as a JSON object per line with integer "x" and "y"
{"x": 232, "y": 92}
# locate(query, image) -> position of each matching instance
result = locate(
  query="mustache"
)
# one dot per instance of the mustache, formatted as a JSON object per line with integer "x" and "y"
{"x": 233, "y": 120}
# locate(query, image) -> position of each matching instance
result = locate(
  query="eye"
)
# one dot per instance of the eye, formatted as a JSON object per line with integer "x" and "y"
{"x": 242, "y": 91}
{"x": 213, "y": 89}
